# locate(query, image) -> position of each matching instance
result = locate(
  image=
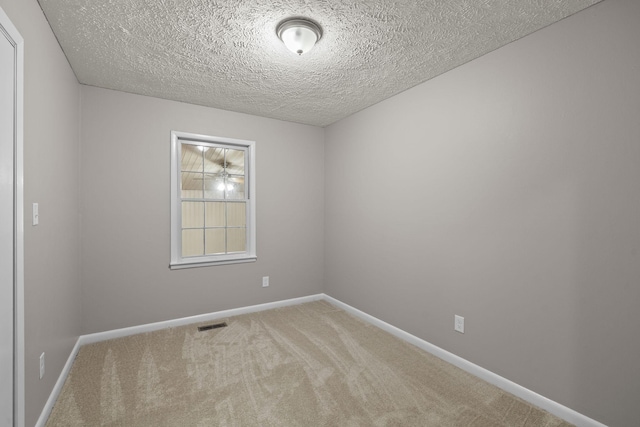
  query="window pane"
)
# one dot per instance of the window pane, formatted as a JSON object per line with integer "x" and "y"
{"x": 235, "y": 162}
{"x": 191, "y": 186}
{"x": 236, "y": 240}
{"x": 214, "y": 186}
{"x": 191, "y": 158}
{"x": 235, "y": 188}
{"x": 214, "y": 214}
{"x": 211, "y": 214}
{"x": 236, "y": 215}
{"x": 215, "y": 240}
{"x": 192, "y": 214}
{"x": 192, "y": 242}
{"x": 214, "y": 160}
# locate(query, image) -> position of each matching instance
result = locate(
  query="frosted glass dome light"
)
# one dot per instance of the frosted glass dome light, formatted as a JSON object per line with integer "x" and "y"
{"x": 299, "y": 35}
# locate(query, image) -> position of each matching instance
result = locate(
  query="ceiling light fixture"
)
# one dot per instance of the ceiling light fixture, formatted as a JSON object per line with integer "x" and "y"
{"x": 224, "y": 183}
{"x": 299, "y": 35}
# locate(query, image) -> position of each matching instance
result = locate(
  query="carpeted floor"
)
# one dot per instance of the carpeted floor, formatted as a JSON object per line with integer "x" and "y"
{"x": 306, "y": 365}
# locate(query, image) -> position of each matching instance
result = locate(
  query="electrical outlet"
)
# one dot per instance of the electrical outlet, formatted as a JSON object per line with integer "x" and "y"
{"x": 41, "y": 365}
{"x": 265, "y": 281}
{"x": 458, "y": 324}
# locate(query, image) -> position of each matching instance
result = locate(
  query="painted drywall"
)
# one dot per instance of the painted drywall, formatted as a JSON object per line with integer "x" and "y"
{"x": 506, "y": 191}
{"x": 51, "y": 137}
{"x": 125, "y": 161}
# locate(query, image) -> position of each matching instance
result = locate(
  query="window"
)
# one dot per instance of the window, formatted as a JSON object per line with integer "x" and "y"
{"x": 212, "y": 201}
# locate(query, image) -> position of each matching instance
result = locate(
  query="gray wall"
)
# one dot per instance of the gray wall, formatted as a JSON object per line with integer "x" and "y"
{"x": 506, "y": 191}
{"x": 52, "y": 271}
{"x": 125, "y": 160}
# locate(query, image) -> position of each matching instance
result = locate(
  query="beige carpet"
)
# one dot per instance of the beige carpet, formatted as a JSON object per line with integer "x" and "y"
{"x": 305, "y": 365}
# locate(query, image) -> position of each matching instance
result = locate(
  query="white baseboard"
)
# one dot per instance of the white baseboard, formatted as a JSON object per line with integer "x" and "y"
{"x": 523, "y": 393}
{"x": 534, "y": 398}
{"x": 150, "y": 327}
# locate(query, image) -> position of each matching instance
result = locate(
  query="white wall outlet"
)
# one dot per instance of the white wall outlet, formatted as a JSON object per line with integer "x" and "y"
{"x": 458, "y": 324}
{"x": 265, "y": 281}
{"x": 42, "y": 365}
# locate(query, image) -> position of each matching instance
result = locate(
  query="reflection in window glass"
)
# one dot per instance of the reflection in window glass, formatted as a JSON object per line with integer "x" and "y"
{"x": 192, "y": 214}
{"x": 215, "y": 214}
{"x": 191, "y": 185}
{"x": 213, "y": 194}
{"x": 192, "y": 242}
{"x": 236, "y": 238}
{"x": 215, "y": 241}
{"x": 236, "y": 216}
{"x": 212, "y": 200}
{"x": 192, "y": 158}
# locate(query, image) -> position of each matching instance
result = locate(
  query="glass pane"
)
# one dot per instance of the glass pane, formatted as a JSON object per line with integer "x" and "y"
{"x": 214, "y": 214}
{"x": 235, "y": 188}
{"x": 191, "y": 158}
{"x": 214, "y": 186}
{"x": 214, "y": 160}
{"x": 192, "y": 242}
{"x": 236, "y": 215}
{"x": 235, "y": 162}
{"x": 192, "y": 214}
{"x": 236, "y": 240}
{"x": 191, "y": 186}
{"x": 214, "y": 238}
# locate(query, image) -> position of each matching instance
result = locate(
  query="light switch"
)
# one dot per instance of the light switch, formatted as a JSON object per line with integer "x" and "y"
{"x": 459, "y": 324}
{"x": 35, "y": 214}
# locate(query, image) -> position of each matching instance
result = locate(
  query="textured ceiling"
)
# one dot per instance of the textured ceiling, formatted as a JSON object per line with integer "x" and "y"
{"x": 225, "y": 53}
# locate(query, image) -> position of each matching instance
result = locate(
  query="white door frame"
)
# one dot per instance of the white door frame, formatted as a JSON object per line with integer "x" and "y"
{"x": 18, "y": 394}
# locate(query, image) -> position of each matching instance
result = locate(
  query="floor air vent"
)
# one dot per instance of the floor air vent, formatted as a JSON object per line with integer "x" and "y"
{"x": 214, "y": 326}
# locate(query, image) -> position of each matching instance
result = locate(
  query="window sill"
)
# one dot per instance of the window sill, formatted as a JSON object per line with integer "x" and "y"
{"x": 195, "y": 264}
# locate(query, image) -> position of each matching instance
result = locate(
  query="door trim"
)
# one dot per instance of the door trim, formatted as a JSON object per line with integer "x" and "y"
{"x": 7, "y": 27}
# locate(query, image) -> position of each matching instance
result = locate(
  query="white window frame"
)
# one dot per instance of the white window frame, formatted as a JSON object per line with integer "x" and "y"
{"x": 177, "y": 261}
